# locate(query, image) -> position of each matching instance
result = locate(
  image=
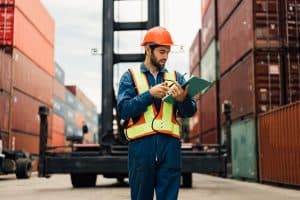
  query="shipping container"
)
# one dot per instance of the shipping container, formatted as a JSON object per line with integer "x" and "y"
{"x": 254, "y": 24}
{"x": 194, "y": 123}
{"x": 69, "y": 114}
{"x": 209, "y": 137}
{"x": 70, "y": 99}
{"x": 17, "y": 31}
{"x": 58, "y": 139}
{"x": 5, "y": 71}
{"x": 204, "y": 6}
{"x": 77, "y": 92}
{"x": 59, "y": 106}
{"x": 58, "y": 89}
{"x": 25, "y": 107}
{"x": 58, "y": 124}
{"x": 292, "y": 23}
{"x": 243, "y": 149}
{"x": 225, "y": 8}
{"x": 24, "y": 141}
{"x": 209, "y": 63}
{"x": 79, "y": 119}
{"x": 72, "y": 132}
{"x": 279, "y": 145}
{"x": 260, "y": 84}
{"x": 195, "y": 52}
{"x": 208, "y": 109}
{"x": 292, "y": 66}
{"x": 208, "y": 26}
{"x": 31, "y": 79}
{"x": 4, "y": 111}
{"x": 59, "y": 73}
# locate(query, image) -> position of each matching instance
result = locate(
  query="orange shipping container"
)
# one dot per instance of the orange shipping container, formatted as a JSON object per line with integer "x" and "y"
{"x": 58, "y": 124}
{"x": 31, "y": 79}
{"x": 81, "y": 96}
{"x": 23, "y": 141}
{"x": 4, "y": 111}
{"x": 279, "y": 145}
{"x": 17, "y": 31}
{"x": 58, "y": 139}
{"x": 37, "y": 14}
{"x": 79, "y": 119}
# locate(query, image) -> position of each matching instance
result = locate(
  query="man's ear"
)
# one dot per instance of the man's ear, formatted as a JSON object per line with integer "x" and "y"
{"x": 147, "y": 49}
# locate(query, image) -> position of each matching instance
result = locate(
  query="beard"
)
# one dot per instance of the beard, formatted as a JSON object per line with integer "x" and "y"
{"x": 156, "y": 63}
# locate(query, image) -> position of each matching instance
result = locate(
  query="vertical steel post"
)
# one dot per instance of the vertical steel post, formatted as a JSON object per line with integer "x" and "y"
{"x": 43, "y": 112}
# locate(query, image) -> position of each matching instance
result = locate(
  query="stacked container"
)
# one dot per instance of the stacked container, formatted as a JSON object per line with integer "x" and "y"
{"x": 27, "y": 36}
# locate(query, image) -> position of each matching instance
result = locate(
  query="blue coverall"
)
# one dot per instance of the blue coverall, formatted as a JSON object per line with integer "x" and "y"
{"x": 153, "y": 161}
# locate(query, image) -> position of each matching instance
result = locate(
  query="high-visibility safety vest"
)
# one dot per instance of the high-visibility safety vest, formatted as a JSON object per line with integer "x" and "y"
{"x": 152, "y": 122}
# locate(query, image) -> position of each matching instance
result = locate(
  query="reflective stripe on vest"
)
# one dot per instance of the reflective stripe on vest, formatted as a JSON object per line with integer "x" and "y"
{"x": 165, "y": 121}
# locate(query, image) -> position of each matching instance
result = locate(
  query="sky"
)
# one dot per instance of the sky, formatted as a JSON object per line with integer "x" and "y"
{"x": 78, "y": 29}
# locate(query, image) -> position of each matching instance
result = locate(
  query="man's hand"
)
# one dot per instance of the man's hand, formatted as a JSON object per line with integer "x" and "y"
{"x": 178, "y": 92}
{"x": 159, "y": 90}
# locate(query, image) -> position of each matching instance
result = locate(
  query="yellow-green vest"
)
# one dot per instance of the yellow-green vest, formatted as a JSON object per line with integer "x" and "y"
{"x": 165, "y": 121}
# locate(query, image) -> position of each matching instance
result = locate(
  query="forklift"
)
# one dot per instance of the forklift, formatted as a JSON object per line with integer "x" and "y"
{"x": 109, "y": 157}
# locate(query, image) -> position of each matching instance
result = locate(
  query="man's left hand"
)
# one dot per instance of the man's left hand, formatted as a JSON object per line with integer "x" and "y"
{"x": 178, "y": 92}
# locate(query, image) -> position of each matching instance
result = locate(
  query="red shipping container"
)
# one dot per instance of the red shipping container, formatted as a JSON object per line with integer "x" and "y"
{"x": 23, "y": 141}
{"x": 292, "y": 66}
{"x": 4, "y": 111}
{"x": 210, "y": 137}
{"x": 5, "y": 140}
{"x": 25, "y": 107}
{"x": 195, "y": 51}
{"x": 17, "y": 31}
{"x": 194, "y": 123}
{"x": 31, "y": 79}
{"x": 58, "y": 124}
{"x": 7, "y": 2}
{"x": 208, "y": 109}
{"x": 259, "y": 89}
{"x": 5, "y": 71}
{"x": 208, "y": 27}
{"x": 225, "y": 7}
{"x": 279, "y": 143}
{"x": 58, "y": 89}
{"x": 249, "y": 27}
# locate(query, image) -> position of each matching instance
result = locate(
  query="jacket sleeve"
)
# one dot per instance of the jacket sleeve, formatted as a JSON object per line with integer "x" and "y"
{"x": 129, "y": 104}
{"x": 188, "y": 107}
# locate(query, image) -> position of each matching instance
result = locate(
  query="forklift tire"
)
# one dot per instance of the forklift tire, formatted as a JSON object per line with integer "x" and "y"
{"x": 23, "y": 168}
{"x": 187, "y": 180}
{"x": 80, "y": 180}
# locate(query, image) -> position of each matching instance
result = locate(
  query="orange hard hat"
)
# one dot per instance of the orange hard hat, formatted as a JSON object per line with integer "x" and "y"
{"x": 158, "y": 35}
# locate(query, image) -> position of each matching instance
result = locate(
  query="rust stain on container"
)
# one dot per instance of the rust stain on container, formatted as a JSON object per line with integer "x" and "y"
{"x": 208, "y": 109}
{"x": 4, "y": 111}
{"x": 31, "y": 79}
{"x": 25, "y": 107}
{"x": 208, "y": 27}
{"x": 279, "y": 142}
{"x": 225, "y": 7}
{"x": 5, "y": 71}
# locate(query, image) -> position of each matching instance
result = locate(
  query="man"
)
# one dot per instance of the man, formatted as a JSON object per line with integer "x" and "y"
{"x": 153, "y": 132}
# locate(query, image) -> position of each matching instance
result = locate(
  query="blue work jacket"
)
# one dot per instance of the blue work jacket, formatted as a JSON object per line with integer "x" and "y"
{"x": 132, "y": 105}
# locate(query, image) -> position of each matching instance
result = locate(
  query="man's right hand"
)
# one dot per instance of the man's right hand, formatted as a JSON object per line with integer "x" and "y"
{"x": 159, "y": 90}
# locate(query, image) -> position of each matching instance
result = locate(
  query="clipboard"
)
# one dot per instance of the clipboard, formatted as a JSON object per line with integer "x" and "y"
{"x": 196, "y": 85}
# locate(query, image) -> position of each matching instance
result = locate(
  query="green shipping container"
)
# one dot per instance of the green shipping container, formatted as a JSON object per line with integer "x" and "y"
{"x": 210, "y": 63}
{"x": 243, "y": 149}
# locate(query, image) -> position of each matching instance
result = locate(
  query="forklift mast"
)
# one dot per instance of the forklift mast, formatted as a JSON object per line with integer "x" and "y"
{"x": 109, "y": 58}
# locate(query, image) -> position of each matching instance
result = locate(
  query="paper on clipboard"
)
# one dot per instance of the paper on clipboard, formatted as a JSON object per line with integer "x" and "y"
{"x": 196, "y": 85}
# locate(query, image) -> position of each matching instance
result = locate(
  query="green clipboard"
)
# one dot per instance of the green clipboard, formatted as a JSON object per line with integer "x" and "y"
{"x": 196, "y": 85}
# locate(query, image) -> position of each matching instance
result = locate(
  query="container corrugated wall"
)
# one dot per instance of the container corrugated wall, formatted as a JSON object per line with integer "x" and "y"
{"x": 5, "y": 72}
{"x": 209, "y": 63}
{"x": 4, "y": 111}
{"x": 279, "y": 143}
{"x": 225, "y": 7}
{"x": 208, "y": 25}
{"x": 243, "y": 149}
